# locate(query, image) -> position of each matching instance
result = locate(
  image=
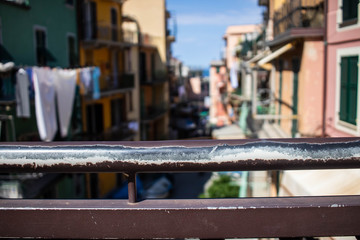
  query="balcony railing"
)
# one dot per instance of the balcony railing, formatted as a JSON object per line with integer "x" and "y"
{"x": 299, "y": 14}
{"x": 109, "y": 34}
{"x": 157, "y": 78}
{"x": 130, "y": 36}
{"x": 122, "y": 81}
{"x": 190, "y": 218}
{"x": 149, "y": 40}
{"x": 153, "y": 112}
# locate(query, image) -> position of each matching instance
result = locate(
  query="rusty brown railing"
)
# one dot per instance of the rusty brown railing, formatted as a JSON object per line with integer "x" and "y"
{"x": 200, "y": 218}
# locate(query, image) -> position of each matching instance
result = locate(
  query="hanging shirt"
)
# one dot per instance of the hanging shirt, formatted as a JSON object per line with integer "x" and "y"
{"x": 85, "y": 81}
{"x": 233, "y": 76}
{"x": 22, "y": 94}
{"x": 65, "y": 84}
{"x": 96, "y": 85}
{"x": 45, "y": 103}
{"x": 31, "y": 82}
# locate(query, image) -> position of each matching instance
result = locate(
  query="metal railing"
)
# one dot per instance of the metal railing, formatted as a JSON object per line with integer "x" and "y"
{"x": 107, "y": 32}
{"x": 299, "y": 13}
{"x": 158, "y": 77}
{"x": 122, "y": 81}
{"x": 200, "y": 218}
{"x": 153, "y": 111}
{"x": 130, "y": 36}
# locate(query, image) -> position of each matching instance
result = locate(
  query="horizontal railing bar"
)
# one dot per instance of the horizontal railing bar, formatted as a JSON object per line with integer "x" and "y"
{"x": 177, "y": 156}
{"x": 201, "y": 218}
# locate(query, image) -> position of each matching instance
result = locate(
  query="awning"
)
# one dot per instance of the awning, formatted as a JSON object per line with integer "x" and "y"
{"x": 275, "y": 54}
{"x": 259, "y": 56}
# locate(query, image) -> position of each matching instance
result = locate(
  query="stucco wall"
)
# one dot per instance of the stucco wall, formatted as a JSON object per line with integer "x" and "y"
{"x": 311, "y": 78}
{"x": 18, "y": 34}
{"x": 287, "y": 94}
{"x": 151, "y": 16}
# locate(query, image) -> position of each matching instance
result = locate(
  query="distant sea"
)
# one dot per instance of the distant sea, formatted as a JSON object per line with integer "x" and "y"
{"x": 206, "y": 73}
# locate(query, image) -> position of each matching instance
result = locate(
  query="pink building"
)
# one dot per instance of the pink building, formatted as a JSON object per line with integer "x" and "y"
{"x": 235, "y": 35}
{"x": 342, "y": 69}
{"x": 218, "y": 91}
{"x": 296, "y": 65}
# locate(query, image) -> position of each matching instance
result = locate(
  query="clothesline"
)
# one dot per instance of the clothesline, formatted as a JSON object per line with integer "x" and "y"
{"x": 45, "y": 84}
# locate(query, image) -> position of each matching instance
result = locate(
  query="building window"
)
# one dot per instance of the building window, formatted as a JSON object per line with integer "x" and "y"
{"x": 1, "y": 39}
{"x": 90, "y": 20}
{"x": 130, "y": 97}
{"x": 40, "y": 46}
{"x": 71, "y": 51}
{"x": 94, "y": 117}
{"x": 19, "y": 3}
{"x": 347, "y": 98}
{"x": 348, "y": 89}
{"x": 69, "y": 3}
{"x": 349, "y": 9}
{"x": 348, "y": 12}
{"x": 114, "y": 28}
{"x": 117, "y": 114}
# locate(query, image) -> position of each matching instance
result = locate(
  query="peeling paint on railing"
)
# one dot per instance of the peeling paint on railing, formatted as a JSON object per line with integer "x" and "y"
{"x": 123, "y": 157}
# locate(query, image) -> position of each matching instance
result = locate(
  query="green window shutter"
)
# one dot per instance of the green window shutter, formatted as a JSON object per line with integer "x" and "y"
{"x": 353, "y": 86}
{"x": 348, "y": 89}
{"x": 343, "y": 89}
{"x": 350, "y": 9}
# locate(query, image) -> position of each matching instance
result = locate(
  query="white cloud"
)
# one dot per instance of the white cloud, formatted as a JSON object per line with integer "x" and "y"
{"x": 229, "y": 18}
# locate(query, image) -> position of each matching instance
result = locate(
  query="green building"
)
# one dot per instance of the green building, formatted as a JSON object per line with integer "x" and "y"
{"x": 39, "y": 32}
{"x": 36, "y": 33}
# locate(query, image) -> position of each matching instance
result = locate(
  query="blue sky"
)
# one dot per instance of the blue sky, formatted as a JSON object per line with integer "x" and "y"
{"x": 201, "y": 25}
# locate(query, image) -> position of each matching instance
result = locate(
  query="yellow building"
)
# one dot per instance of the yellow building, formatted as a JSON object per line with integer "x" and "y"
{"x": 155, "y": 40}
{"x": 113, "y": 116}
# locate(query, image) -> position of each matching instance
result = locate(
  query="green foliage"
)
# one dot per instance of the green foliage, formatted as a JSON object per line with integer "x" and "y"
{"x": 222, "y": 188}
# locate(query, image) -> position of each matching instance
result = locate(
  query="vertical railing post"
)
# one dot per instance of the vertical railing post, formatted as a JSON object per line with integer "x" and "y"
{"x": 131, "y": 178}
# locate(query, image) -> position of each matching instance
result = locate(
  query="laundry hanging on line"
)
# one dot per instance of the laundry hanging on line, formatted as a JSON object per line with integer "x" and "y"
{"x": 44, "y": 84}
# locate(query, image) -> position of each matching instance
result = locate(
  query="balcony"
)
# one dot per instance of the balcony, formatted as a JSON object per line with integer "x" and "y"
{"x": 284, "y": 217}
{"x": 170, "y": 36}
{"x": 148, "y": 40}
{"x": 159, "y": 77}
{"x": 299, "y": 18}
{"x": 117, "y": 84}
{"x": 130, "y": 37}
{"x": 154, "y": 112}
{"x": 103, "y": 35}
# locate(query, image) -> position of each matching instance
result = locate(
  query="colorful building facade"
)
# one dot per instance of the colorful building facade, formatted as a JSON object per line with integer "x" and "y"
{"x": 154, "y": 54}
{"x": 30, "y": 36}
{"x": 296, "y": 76}
{"x": 342, "y": 69}
{"x": 110, "y": 116}
{"x": 36, "y": 33}
{"x": 218, "y": 84}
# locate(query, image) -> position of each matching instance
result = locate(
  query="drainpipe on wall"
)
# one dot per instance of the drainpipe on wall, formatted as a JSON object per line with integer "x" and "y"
{"x": 325, "y": 69}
